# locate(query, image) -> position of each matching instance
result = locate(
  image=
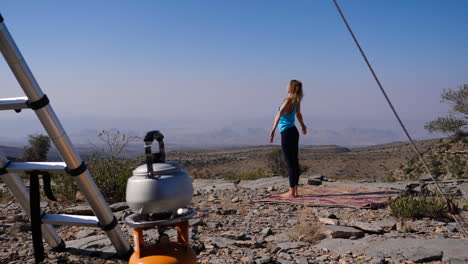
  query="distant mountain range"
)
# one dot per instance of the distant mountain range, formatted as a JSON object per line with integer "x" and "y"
{"x": 222, "y": 138}
{"x": 208, "y": 134}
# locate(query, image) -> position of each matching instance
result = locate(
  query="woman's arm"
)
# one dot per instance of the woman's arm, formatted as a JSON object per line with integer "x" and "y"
{"x": 281, "y": 112}
{"x": 299, "y": 118}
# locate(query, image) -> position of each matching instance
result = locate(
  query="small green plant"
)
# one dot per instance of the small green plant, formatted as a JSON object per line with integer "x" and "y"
{"x": 64, "y": 187}
{"x": 390, "y": 178}
{"x": 458, "y": 167}
{"x": 4, "y": 195}
{"x": 249, "y": 175}
{"x": 419, "y": 206}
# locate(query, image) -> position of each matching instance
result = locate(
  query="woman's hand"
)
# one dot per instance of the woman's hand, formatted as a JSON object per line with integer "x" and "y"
{"x": 304, "y": 130}
{"x": 272, "y": 135}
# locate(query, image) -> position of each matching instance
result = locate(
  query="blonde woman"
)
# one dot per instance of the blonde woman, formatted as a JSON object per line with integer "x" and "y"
{"x": 285, "y": 119}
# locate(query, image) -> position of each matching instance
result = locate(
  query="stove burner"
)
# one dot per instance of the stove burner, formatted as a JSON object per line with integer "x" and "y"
{"x": 160, "y": 219}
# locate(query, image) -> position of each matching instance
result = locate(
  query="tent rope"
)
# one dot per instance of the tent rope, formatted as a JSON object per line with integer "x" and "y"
{"x": 454, "y": 211}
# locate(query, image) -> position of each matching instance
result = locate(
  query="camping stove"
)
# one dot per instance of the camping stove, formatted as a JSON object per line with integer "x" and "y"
{"x": 163, "y": 251}
{"x": 158, "y": 193}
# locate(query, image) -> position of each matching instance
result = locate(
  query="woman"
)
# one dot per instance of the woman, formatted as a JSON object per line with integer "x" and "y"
{"x": 289, "y": 135}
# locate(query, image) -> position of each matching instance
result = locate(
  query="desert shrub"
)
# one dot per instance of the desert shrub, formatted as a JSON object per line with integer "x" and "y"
{"x": 109, "y": 168}
{"x": 204, "y": 173}
{"x": 249, "y": 175}
{"x": 38, "y": 148}
{"x": 458, "y": 167}
{"x": 390, "y": 178}
{"x": 303, "y": 168}
{"x": 308, "y": 230}
{"x": 111, "y": 175}
{"x": 419, "y": 206}
{"x": 5, "y": 195}
{"x": 275, "y": 162}
{"x": 64, "y": 187}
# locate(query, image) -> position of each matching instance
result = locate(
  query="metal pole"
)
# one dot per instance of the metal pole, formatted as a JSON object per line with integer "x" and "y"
{"x": 60, "y": 139}
{"x": 21, "y": 193}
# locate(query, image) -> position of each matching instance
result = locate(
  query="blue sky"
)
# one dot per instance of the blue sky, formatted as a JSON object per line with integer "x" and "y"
{"x": 231, "y": 60}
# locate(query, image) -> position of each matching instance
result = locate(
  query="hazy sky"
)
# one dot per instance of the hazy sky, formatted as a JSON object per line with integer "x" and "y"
{"x": 232, "y": 60}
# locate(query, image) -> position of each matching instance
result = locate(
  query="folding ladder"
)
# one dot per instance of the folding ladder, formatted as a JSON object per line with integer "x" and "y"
{"x": 73, "y": 165}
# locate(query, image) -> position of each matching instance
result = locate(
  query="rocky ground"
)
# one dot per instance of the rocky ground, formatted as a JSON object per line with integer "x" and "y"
{"x": 232, "y": 227}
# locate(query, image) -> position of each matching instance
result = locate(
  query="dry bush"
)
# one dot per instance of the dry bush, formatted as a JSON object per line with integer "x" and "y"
{"x": 203, "y": 173}
{"x": 419, "y": 206}
{"x": 5, "y": 196}
{"x": 309, "y": 229}
{"x": 246, "y": 175}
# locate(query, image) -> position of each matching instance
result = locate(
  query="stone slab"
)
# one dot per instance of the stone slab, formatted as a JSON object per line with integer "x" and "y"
{"x": 397, "y": 247}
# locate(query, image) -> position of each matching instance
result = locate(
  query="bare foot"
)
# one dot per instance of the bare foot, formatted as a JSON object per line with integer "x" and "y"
{"x": 287, "y": 195}
{"x": 296, "y": 193}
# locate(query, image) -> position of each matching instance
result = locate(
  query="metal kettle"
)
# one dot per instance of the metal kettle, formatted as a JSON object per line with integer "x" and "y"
{"x": 158, "y": 186}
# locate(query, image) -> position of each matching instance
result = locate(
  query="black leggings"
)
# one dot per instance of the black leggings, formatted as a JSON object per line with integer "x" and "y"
{"x": 290, "y": 146}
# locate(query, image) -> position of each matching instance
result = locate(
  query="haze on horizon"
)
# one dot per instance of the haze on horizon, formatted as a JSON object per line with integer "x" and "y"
{"x": 219, "y": 70}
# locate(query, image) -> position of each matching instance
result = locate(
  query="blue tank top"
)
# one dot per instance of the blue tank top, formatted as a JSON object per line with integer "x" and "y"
{"x": 287, "y": 121}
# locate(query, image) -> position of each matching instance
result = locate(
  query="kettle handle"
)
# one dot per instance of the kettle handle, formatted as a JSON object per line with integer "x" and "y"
{"x": 150, "y": 158}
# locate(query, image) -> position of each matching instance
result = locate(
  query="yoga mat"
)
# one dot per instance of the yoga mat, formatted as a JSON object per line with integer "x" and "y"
{"x": 337, "y": 197}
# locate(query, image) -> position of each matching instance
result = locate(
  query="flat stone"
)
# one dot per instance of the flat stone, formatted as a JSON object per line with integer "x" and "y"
{"x": 322, "y": 258}
{"x": 196, "y": 222}
{"x": 343, "y": 231}
{"x": 247, "y": 260}
{"x": 85, "y": 233}
{"x": 281, "y": 237}
{"x": 235, "y": 199}
{"x": 328, "y": 221}
{"x": 222, "y": 242}
{"x": 452, "y": 228}
{"x": 457, "y": 261}
{"x": 301, "y": 260}
{"x": 233, "y": 235}
{"x": 97, "y": 241}
{"x": 248, "y": 244}
{"x": 118, "y": 206}
{"x": 367, "y": 227}
{"x": 266, "y": 231}
{"x": 316, "y": 176}
{"x": 314, "y": 182}
{"x": 263, "y": 260}
{"x": 386, "y": 225}
{"x": 211, "y": 198}
{"x": 419, "y": 255}
{"x": 377, "y": 260}
{"x": 285, "y": 256}
{"x": 291, "y": 245}
{"x": 396, "y": 247}
{"x": 214, "y": 225}
{"x": 79, "y": 210}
